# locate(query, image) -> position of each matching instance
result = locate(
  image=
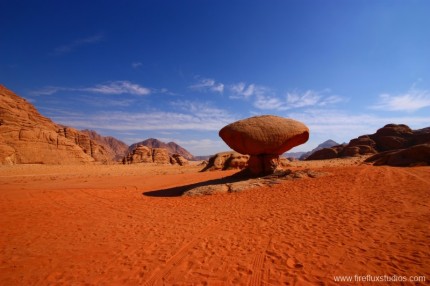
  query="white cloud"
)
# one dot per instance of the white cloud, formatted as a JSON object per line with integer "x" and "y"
{"x": 114, "y": 87}
{"x": 189, "y": 116}
{"x": 67, "y": 48}
{"x": 242, "y": 91}
{"x": 136, "y": 65}
{"x": 208, "y": 84}
{"x": 269, "y": 103}
{"x": 292, "y": 100}
{"x": 119, "y": 87}
{"x": 410, "y": 101}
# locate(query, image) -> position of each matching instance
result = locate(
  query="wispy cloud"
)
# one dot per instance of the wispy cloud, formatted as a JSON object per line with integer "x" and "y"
{"x": 73, "y": 45}
{"x": 241, "y": 90}
{"x": 208, "y": 84}
{"x": 296, "y": 99}
{"x": 339, "y": 123}
{"x": 119, "y": 87}
{"x": 410, "y": 101}
{"x": 189, "y": 116}
{"x": 136, "y": 65}
{"x": 114, "y": 87}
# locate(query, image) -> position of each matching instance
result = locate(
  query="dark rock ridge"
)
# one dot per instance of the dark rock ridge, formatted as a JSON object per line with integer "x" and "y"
{"x": 171, "y": 147}
{"x": 27, "y": 137}
{"x": 115, "y": 147}
{"x": 393, "y": 144}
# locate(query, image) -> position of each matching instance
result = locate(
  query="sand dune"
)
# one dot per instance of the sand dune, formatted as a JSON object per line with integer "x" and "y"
{"x": 97, "y": 225}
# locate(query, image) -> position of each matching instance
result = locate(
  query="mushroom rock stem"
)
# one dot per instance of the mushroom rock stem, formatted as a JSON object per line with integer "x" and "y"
{"x": 264, "y": 164}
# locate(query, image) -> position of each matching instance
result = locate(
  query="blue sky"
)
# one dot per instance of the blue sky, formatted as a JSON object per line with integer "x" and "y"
{"x": 181, "y": 70}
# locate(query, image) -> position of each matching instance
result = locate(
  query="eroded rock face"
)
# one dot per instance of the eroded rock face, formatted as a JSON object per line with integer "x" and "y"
{"x": 264, "y": 138}
{"x": 179, "y": 160}
{"x": 27, "y": 137}
{"x": 417, "y": 155}
{"x": 143, "y": 154}
{"x": 391, "y": 137}
{"x": 227, "y": 161}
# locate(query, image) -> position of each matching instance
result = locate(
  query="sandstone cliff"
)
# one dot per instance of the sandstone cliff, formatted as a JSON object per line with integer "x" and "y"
{"x": 27, "y": 137}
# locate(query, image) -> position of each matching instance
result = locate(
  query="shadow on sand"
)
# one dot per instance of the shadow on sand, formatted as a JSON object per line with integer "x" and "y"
{"x": 178, "y": 191}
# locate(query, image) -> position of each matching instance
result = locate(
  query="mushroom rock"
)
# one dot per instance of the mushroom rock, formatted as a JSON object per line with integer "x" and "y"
{"x": 264, "y": 138}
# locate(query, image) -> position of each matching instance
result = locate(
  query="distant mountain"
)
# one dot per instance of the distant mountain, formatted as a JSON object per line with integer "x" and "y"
{"x": 116, "y": 147}
{"x": 326, "y": 144}
{"x": 171, "y": 147}
{"x": 295, "y": 155}
{"x": 202, "y": 158}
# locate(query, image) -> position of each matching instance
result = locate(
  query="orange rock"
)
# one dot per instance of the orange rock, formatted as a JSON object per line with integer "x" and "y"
{"x": 266, "y": 134}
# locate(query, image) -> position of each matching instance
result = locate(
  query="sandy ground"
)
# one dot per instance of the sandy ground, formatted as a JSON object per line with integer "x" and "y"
{"x": 118, "y": 225}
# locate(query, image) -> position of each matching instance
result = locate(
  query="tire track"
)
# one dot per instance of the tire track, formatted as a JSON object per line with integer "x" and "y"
{"x": 258, "y": 270}
{"x": 162, "y": 273}
{"x": 415, "y": 176}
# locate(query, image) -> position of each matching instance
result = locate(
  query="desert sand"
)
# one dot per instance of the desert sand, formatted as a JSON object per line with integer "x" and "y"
{"x": 123, "y": 225}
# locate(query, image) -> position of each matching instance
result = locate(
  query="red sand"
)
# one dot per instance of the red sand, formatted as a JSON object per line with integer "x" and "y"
{"x": 94, "y": 225}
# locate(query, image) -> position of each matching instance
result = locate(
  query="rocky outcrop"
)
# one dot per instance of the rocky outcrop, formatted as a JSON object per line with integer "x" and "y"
{"x": 264, "y": 138}
{"x": 179, "y": 160}
{"x": 393, "y": 140}
{"x": 116, "y": 148}
{"x": 171, "y": 147}
{"x": 27, "y": 137}
{"x": 143, "y": 154}
{"x": 226, "y": 161}
{"x": 417, "y": 155}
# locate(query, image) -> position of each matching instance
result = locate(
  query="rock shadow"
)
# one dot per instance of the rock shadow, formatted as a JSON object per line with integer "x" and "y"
{"x": 180, "y": 190}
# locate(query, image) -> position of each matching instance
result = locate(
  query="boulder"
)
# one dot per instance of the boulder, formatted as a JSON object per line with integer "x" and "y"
{"x": 266, "y": 134}
{"x": 264, "y": 138}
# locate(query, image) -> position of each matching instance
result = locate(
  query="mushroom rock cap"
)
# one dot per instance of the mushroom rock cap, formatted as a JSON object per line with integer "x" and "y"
{"x": 266, "y": 134}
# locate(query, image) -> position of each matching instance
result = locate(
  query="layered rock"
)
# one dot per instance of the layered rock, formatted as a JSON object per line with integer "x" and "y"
{"x": 264, "y": 138}
{"x": 393, "y": 140}
{"x": 27, "y": 137}
{"x": 143, "y": 154}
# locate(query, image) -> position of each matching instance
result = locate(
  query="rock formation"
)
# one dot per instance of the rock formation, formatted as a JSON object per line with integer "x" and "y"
{"x": 417, "y": 155}
{"x": 264, "y": 138}
{"x": 171, "y": 147}
{"x": 144, "y": 154}
{"x": 393, "y": 144}
{"x": 226, "y": 161}
{"x": 27, "y": 137}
